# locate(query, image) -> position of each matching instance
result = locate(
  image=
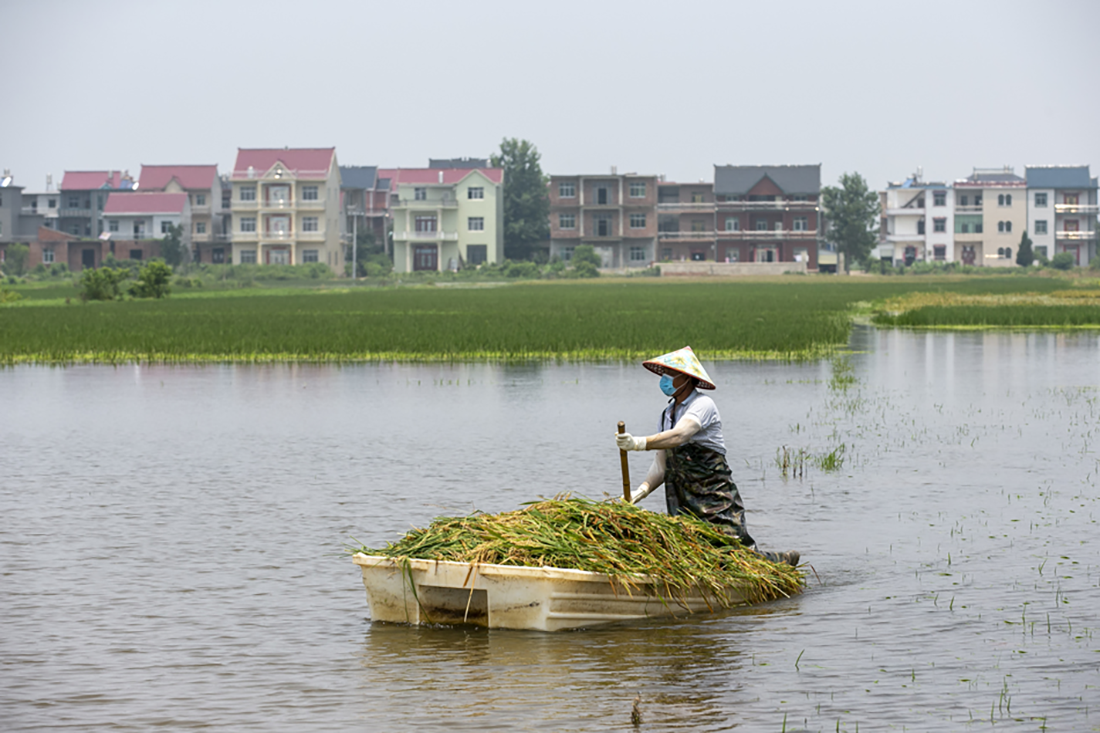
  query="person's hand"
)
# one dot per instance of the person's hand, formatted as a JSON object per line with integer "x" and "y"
{"x": 626, "y": 441}
{"x": 640, "y": 493}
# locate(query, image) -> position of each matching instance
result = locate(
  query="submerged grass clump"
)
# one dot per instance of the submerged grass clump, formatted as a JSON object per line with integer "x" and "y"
{"x": 618, "y": 539}
{"x": 1078, "y": 308}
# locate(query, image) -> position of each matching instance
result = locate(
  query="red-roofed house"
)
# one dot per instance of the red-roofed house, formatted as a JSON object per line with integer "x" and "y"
{"x": 83, "y": 196}
{"x": 204, "y": 194}
{"x": 286, "y": 207}
{"x": 446, "y": 217}
{"x": 135, "y": 220}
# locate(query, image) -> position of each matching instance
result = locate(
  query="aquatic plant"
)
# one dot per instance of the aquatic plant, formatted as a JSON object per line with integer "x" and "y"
{"x": 615, "y": 538}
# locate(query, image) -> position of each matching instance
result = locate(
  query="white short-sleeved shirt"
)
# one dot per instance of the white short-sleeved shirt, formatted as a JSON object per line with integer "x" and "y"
{"x": 703, "y": 409}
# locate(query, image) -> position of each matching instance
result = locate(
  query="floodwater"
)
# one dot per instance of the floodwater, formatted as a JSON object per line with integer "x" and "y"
{"x": 170, "y": 544}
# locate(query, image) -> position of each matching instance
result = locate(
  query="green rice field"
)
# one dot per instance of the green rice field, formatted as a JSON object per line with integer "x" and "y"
{"x": 780, "y": 318}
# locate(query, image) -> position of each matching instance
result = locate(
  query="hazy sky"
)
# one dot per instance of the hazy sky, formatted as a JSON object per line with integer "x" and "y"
{"x": 652, "y": 87}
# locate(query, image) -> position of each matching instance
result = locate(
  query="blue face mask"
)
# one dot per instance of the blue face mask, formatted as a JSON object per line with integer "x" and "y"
{"x": 666, "y": 385}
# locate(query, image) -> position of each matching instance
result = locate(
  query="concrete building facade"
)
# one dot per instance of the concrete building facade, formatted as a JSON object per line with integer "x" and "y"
{"x": 1061, "y": 211}
{"x": 615, "y": 213}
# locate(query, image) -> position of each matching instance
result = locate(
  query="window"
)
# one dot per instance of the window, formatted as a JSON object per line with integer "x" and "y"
{"x": 567, "y": 221}
{"x": 477, "y": 254}
{"x": 47, "y": 256}
{"x": 637, "y": 221}
{"x": 1008, "y": 202}
{"x": 217, "y": 255}
{"x": 964, "y": 228}
{"x": 801, "y": 254}
{"x": 309, "y": 193}
{"x": 697, "y": 198}
{"x": 200, "y": 199}
{"x": 309, "y": 255}
{"x": 778, "y": 226}
{"x": 165, "y": 227}
{"x": 51, "y": 203}
{"x": 666, "y": 253}
{"x": 603, "y": 225}
{"x": 920, "y": 226}
{"x": 637, "y": 254}
{"x": 939, "y": 198}
{"x": 475, "y": 223}
{"x": 248, "y": 224}
{"x": 1041, "y": 250}
{"x": 939, "y": 252}
{"x": 978, "y": 228}
{"x": 74, "y": 201}
{"x": 939, "y": 225}
{"x": 761, "y": 226}
{"x": 801, "y": 197}
{"x": 248, "y": 256}
{"x": 733, "y": 255}
{"x": 1000, "y": 226}
{"x": 200, "y": 227}
{"x": 964, "y": 200}
{"x": 1008, "y": 253}
{"x": 112, "y": 225}
{"x": 733, "y": 224}
{"x": 1040, "y": 200}
{"x": 136, "y": 254}
{"x": 248, "y": 193}
{"x": 637, "y": 189}
{"x": 567, "y": 254}
{"x": 1008, "y": 226}
{"x": 801, "y": 223}
{"x": 420, "y": 194}
{"x": 475, "y": 192}
{"x": 425, "y": 223}
{"x": 978, "y": 199}
{"x": 309, "y": 224}
{"x": 567, "y": 190}
{"x": 1001, "y": 200}
{"x": 698, "y": 226}
{"x": 1040, "y": 224}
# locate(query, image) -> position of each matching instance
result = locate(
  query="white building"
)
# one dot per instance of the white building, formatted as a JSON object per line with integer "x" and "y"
{"x": 1061, "y": 211}
{"x": 918, "y": 222}
{"x": 141, "y": 216}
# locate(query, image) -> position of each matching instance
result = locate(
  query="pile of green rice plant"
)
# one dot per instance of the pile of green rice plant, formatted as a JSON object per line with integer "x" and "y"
{"x": 623, "y": 541}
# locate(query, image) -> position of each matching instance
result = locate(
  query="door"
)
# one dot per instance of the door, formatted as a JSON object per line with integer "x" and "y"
{"x": 910, "y": 256}
{"x": 601, "y": 195}
{"x": 425, "y": 257}
{"x": 968, "y": 254}
{"x": 280, "y": 256}
{"x": 87, "y": 258}
{"x": 279, "y": 226}
{"x": 1071, "y": 199}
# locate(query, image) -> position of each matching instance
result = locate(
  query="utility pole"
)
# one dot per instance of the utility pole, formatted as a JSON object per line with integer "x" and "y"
{"x": 354, "y": 246}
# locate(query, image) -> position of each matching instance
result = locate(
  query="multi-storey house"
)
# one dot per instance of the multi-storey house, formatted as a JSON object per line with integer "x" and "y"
{"x": 207, "y": 231}
{"x": 286, "y": 207}
{"x": 17, "y": 222}
{"x": 767, "y": 213}
{"x": 918, "y": 222}
{"x": 616, "y": 214}
{"x": 990, "y": 217}
{"x": 1061, "y": 211}
{"x": 365, "y": 198}
{"x": 685, "y": 222}
{"x": 445, "y": 217}
{"x": 135, "y": 221}
{"x": 45, "y": 203}
{"x": 83, "y": 196}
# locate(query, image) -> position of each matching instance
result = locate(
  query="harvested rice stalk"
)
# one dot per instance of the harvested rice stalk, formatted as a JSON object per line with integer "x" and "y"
{"x": 615, "y": 538}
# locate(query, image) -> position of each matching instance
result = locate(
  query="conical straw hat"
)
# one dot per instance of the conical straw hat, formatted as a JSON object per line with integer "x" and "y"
{"x": 683, "y": 361}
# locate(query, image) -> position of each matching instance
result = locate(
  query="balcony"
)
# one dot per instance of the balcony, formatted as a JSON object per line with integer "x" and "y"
{"x": 311, "y": 236}
{"x": 1074, "y": 236}
{"x": 444, "y": 203}
{"x": 686, "y": 236}
{"x": 686, "y": 207}
{"x": 311, "y": 203}
{"x": 239, "y": 205}
{"x": 246, "y": 236}
{"x": 200, "y": 210}
{"x": 278, "y": 204}
{"x": 906, "y": 212}
{"x": 1076, "y": 208}
{"x": 75, "y": 213}
{"x": 437, "y": 236}
{"x": 968, "y": 209}
{"x": 904, "y": 237}
{"x": 767, "y": 205}
{"x": 775, "y": 234}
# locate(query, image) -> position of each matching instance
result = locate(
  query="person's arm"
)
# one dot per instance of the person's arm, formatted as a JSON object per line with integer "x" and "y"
{"x": 653, "y": 479}
{"x": 686, "y": 428}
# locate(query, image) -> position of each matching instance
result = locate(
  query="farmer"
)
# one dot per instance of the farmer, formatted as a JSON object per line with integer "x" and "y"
{"x": 690, "y": 456}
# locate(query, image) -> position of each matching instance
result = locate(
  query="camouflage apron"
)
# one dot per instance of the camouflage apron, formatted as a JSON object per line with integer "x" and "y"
{"x": 698, "y": 482}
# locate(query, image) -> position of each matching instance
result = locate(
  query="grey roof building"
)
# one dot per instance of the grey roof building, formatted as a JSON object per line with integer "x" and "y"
{"x": 791, "y": 179}
{"x": 1061, "y": 211}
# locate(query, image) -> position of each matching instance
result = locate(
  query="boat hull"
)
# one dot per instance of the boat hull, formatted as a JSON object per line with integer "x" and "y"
{"x": 507, "y": 597}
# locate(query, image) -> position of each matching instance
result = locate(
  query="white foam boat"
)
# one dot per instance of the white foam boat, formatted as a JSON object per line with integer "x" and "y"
{"x": 507, "y": 597}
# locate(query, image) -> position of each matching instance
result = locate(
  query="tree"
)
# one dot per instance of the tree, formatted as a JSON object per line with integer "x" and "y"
{"x": 586, "y": 261}
{"x": 102, "y": 283}
{"x": 172, "y": 248}
{"x": 1025, "y": 255}
{"x": 371, "y": 259}
{"x": 526, "y": 201}
{"x": 153, "y": 281}
{"x": 852, "y": 212}
{"x": 16, "y": 258}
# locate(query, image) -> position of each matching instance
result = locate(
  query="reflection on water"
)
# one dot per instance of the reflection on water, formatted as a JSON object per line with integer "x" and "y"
{"x": 170, "y": 543}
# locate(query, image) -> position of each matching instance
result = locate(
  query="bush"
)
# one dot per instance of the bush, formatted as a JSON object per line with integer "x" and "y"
{"x": 153, "y": 281}
{"x": 102, "y": 284}
{"x": 1063, "y": 261}
{"x": 520, "y": 269}
{"x": 585, "y": 268}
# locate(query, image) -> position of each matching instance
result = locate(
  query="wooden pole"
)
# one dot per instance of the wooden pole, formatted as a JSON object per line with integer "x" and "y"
{"x": 626, "y": 466}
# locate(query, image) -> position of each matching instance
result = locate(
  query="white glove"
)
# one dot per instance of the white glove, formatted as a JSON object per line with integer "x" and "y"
{"x": 640, "y": 493}
{"x": 626, "y": 441}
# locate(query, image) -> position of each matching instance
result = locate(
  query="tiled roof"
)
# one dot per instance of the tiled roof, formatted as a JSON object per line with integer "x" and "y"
{"x": 90, "y": 180}
{"x": 358, "y": 176}
{"x": 145, "y": 203}
{"x": 992, "y": 177}
{"x": 1059, "y": 176}
{"x": 304, "y": 162}
{"x": 740, "y": 179}
{"x": 156, "y": 177}
{"x": 432, "y": 175}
